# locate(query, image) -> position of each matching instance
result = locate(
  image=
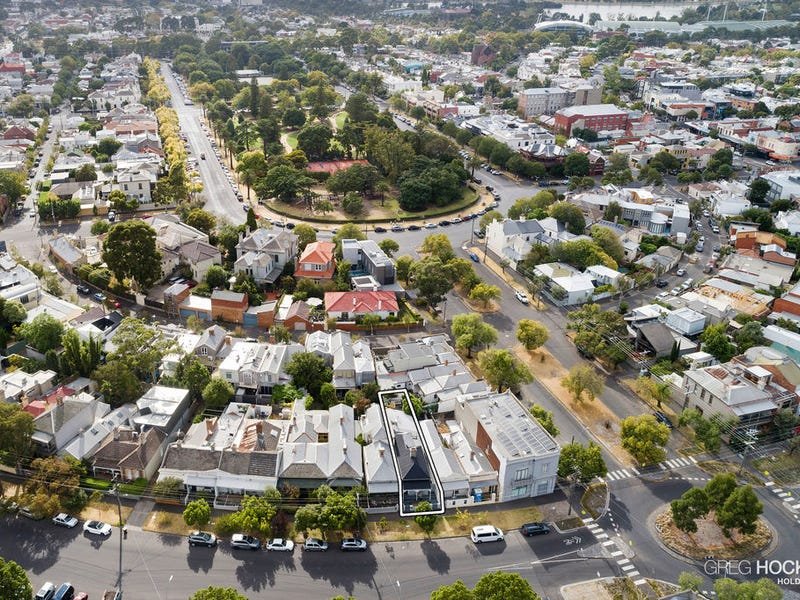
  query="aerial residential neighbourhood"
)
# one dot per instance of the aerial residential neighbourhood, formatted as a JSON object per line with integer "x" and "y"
{"x": 486, "y": 300}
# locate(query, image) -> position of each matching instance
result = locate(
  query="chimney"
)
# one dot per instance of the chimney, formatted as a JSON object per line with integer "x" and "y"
{"x": 412, "y": 452}
{"x": 341, "y": 420}
{"x": 381, "y": 450}
{"x": 380, "y": 305}
{"x": 344, "y": 446}
{"x": 472, "y": 454}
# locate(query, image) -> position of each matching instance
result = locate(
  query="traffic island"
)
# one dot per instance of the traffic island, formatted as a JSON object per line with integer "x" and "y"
{"x": 616, "y": 588}
{"x": 709, "y": 539}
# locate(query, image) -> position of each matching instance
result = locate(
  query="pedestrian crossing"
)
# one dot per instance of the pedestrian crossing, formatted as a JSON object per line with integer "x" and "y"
{"x": 627, "y": 568}
{"x": 675, "y": 463}
{"x": 791, "y": 501}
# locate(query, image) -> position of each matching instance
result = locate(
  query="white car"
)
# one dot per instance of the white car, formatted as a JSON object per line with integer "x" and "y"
{"x": 245, "y": 542}
{"x": 97, "y": 528}
{"x": 280, "y": 545}
{"x": 680, "y": 272}
{"x": 315, "y": 545}
{"x": 521, "y": 297}
{"x": 64, "y": 520}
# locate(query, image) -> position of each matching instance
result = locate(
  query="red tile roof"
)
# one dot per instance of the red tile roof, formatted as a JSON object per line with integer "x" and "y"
{"x": 361, "y": 302}
{"x": 317, "y": 253}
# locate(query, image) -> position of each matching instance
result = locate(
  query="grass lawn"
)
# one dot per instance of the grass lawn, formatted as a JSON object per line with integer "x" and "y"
{"x": 291, "y": 139}
{"x": 783, "y": 468}
{"x": 468, "y": 198}
{"x": 339, "y": 119}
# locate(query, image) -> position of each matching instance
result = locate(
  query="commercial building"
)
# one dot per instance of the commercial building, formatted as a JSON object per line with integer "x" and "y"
{"x": 597, "y": 117}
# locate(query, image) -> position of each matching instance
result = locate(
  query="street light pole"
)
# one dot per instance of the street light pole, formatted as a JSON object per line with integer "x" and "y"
{"x": 122, "y": 533}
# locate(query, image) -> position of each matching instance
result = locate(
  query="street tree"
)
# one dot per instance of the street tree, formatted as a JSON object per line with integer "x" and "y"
{"x": 502, "y": 585}
{"x": 644, "y": 438}
{"x": 14, "y": 582}
{"x": 453, "y": 591}
{"x": 43, "y": 332}
{"x": 583, "y": 380}
{"x": 545, "y": 419}
{"x": 217, "y": 593}
{"x": 740, "y": 511}
{"x": 692, "y": 505}
{"x": 584, "y": 463}
{"x": 12, "y": 185}
{"x": 486, "y": 219}
{"x": 308, "y": 371}
{"x": 719, "y": 489}
{"x": 217, "y": 393}
{"x": 502, "y": 370}
{"x": 197, "y": 513}
{"x": 471, "y": 331}
{"x": 130, "y": 251}
{"x": 256, "y": 514}
{"x": 715, "y": 342}
{"x": 484, "y": 293}
{"x": 707, "y": 430}
{"x": 425, "y": 522}
{"x": 438, "y": 245}
{"x": 763, "y": 589}
{"x": 60, "y": 479}
{"x": 689, "y": 581}
{"x": 653, "y": 390}
{"x": 532, "y": 334}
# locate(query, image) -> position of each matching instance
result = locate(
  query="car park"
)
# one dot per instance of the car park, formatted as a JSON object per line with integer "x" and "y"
{"x": 65, "y": 520}
{"x": 280, "y": 545}
{"x": 353, "y": 544}
{"x": 245, "y": 542}
{"x": 202, "y": 538}
{"x": 97, "y": 528}
{"x": 531, "y": 529}
{"x": 315, "y": 545}
{"x": 521, "y": 297}
{"x": 663, "y": 419}
{"x": 481, "y": 534}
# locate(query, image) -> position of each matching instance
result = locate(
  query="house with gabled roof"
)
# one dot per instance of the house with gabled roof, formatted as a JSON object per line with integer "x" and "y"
{"x": 130, "y": 455}
{"x": 347, "y": 306}
{"x": 317, "y": 262}
{"x": 264, "y": 253}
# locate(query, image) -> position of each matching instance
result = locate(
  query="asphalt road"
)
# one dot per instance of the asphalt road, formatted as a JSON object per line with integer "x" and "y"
{"x": 218, "y": 193}
{"x": 163, "y": 566}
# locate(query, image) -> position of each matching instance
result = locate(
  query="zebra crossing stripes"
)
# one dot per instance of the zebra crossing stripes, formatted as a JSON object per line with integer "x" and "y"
{"x": 674, "y": 463}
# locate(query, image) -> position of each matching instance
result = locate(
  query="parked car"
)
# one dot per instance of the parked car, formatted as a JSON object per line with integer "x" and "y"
{"x": 662, "y": 283}
{"x": 676, "y": 290}
{"x": 456, "y": 220}
{"x": 64, "y": 520}
{"x": 486, "y": 533}
{"x": 521, "y": 297}
{"x": 46, "y": 592}
{"x": 662, "y": 418}
{"x": 680, "y": 272}
{"x": 531, "y": 529}
{"x": 97, "y": 528}
{"x": 315, "y": 545}
{"x": 26, "y": 511}
{"x": 474, "y": 257}
{"x": 353, "y": 545}
{"x": 280, "y": 545}
{"x": 98, "y": 297}
{"x": 479, "y": 234}
{"x": 414, "y": 227}
{"x": 444, "y": 223}
{"x": 64, "y": 592}
{"x": 202, "y": 538}
{"x": 245, "y": 542}
{"x": 398, "y": 227}
{"x": 430, "y": 225}
{"x": 380, "y": 230}
{"x": 83, "y": 290}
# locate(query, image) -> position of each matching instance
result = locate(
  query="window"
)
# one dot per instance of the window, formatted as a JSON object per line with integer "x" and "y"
{"x": 545, "y": 467}
{"x": 521, "y": 474}
{"x": 228, "y": 376}
{"x": 140, "y": 186}
{"x": 519, "y": 491}
{"x": 203, "y": 351}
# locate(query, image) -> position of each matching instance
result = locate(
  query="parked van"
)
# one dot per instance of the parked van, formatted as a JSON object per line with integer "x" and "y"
{"x": 486, "y": 533}
{"x": 47, "y": 592}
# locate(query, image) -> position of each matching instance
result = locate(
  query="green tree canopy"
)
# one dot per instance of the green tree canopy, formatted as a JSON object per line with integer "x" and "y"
{"x": 308, "y": 371}
{"x": 532, "y": 334}
{"x": 43, "y": 332}
{"x": 197, "y": 513}
{"x": 583, "y": 462}
{"x": 130, "y": 251}
{"x": 583, "y": 380}
{"x": 470, "y": 331}
{"x": 217, "y": 392}
{"x": 644, "y": 438}
{"x": 502, "y": 370}
{"x": 14, "y": 583}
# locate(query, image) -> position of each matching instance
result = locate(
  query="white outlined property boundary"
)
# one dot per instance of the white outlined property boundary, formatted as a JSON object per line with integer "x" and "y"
{"x": 401, "y": 395}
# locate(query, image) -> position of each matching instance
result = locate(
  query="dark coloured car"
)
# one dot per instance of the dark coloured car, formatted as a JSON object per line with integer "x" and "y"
{"x": 664, "y": 419}
{"x": 64, "y": 592}
{"x": 444, "y": 223}
{"x": 531, "y": 529}
{"x": 380, "y": 230}
{"x": 290, "y": 226}
{"x": 474, "y": 257}
{"x": 662, "y": 283}
{"x": 414, "y": 227}
{"x": 83, "y": 290}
